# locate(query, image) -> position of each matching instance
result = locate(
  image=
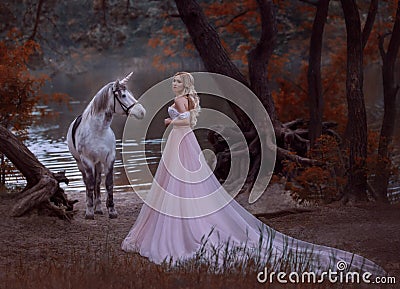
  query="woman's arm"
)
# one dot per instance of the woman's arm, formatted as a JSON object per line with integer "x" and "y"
{"x": 181, "y": 104}
{"x": 167, "y": 121}
{"x": 177, "y": 121}
{"x": 181, "y": 122}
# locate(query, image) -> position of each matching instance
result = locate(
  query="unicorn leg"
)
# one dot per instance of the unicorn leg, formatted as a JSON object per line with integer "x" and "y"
{"x": 112, "y": 213}
{"x": 90, "y": 184}
{"x": 97, "y": 196}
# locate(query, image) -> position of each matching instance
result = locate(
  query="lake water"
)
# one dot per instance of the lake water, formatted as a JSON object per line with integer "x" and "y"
{"x": 47, "y": 138}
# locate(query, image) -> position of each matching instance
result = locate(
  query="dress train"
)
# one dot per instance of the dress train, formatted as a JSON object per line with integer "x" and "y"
{"x": 188, "y": 214}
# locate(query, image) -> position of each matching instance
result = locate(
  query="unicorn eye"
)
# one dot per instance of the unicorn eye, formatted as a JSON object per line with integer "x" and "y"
{"x": 124, "y": 95}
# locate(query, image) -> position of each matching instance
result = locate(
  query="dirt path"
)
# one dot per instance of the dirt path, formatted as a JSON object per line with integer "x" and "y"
{"x": 369, "y": 230}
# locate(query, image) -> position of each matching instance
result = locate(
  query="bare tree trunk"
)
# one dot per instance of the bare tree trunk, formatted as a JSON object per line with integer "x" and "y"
{"x": 37, "y": 20}
{"x": 259, "y": 57}
{"x": 357, "y": 120}
{"x": 369, "y": 23}
{"x": 207, "y": 42}
{"x": 258, "y": 73}
{"x": 127, "y": 6}
{"x": 390, "y": 91}
{"x": 104, "y": 11}
{"x": 42, "y": 190}
{"x": 216, "y": 59}
{"x": 316, "y": 103}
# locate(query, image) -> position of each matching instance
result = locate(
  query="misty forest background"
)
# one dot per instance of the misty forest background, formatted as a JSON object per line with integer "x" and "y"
{"x": 325, "y": 71}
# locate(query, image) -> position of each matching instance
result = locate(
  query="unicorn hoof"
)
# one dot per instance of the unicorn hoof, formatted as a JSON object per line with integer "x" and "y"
{"x": 112, "y": 213}
{"x": 89, "y": 214}
{"x": 89, "y": 217}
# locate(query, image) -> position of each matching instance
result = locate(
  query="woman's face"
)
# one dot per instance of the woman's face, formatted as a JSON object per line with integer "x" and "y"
{"x": 177, "y": 85}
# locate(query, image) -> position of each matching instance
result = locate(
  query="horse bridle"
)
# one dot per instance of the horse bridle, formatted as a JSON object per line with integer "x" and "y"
{"x": 117, "y": 95}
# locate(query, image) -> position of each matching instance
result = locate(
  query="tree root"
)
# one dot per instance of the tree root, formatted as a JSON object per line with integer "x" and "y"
{"x": 46, "y": 195}
{"x": 283, "y": 154}
{"x": 42, "y": 190}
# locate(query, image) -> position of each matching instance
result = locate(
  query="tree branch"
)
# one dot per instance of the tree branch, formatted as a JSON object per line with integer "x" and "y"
{"x": 295, "y": 85}
{"x": 311, "y": 2}
{"x": 213, "y": 54}
{"x": 283, "y": 154}
{"x": 37, "y": 20}
{"x": 369, "y": 23}
{"x": 207, "y": 42}
{"x": 233, "y": 19}
{"x": 381, "y": 39}
{"x": 394, "y": 43}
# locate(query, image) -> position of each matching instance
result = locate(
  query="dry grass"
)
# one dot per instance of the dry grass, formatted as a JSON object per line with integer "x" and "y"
{"x": 132, "y": 271}
{"x": 105, "y": 268}
{"x": 43, "y": 252}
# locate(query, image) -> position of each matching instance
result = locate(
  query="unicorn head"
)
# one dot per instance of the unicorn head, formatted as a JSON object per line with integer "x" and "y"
{"x": 124, "y": 101}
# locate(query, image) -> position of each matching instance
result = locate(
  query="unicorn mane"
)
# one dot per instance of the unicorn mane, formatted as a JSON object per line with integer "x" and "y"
{"x": 99, "y": 102}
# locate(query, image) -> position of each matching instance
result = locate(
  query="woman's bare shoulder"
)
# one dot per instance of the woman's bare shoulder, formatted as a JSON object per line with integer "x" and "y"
{"x": 181, "y": 104}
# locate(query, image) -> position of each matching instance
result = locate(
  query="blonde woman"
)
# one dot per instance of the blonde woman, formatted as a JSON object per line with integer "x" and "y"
{"x": 187, "y": 210}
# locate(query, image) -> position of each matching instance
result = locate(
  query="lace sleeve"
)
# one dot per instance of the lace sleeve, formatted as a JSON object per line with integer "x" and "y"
{"x": 184, "y": 115}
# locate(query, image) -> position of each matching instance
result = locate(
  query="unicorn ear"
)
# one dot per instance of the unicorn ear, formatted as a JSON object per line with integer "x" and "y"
{"x": 116, "y": 85}
{"x": 125, "y": 80}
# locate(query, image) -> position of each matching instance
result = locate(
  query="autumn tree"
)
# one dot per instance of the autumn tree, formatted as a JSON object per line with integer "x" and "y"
{"x": 357, "y": 118}
{"x": 316, "y": 104}
{"x": 20, "y": 94}
{"x": 390, "y": 92}
{"x": 216, "y": 59}
{"x": 356, "y": 130}
{"x": 304, "y": 83}
{"x": 20, "y": 90}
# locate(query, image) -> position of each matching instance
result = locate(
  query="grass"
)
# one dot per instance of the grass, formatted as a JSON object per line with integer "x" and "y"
{"x": 224, "y": 265}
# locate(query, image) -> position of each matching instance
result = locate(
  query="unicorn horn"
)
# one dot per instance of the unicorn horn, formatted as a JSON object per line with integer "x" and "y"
{"x": 125, "y": 80}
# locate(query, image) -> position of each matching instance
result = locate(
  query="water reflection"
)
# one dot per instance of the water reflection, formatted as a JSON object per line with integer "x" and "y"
{"x": 48, "y": 142}
{"x": 50, "y": 147}
{"x": 54, "y": 154}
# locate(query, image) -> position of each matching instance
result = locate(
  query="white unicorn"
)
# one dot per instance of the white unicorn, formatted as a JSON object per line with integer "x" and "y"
{"x": 91, "y": 141}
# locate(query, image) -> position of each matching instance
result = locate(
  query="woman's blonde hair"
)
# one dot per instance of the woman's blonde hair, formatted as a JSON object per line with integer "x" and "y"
{"x": 190, "y": 92}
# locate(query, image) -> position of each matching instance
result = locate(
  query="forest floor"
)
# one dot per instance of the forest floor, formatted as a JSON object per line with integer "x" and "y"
{"x": 35, "y": 247}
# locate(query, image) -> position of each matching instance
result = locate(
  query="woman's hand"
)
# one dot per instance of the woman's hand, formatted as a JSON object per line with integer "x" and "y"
{"x": 167, "y": 121}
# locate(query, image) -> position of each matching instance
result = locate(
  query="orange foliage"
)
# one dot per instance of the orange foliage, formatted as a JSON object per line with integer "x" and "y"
{"x": 154, "y": 42}
{"x": 169, "y": 29}
{"x": 291, "y": 97}
{"x": 157, "y": 63}
{"x": 238, "y": 24}
{"x": 318, "y": 183}
{"x": 233, "y": 19}
{"x": 374, "y": 163}
{"x": 21, "y": 91}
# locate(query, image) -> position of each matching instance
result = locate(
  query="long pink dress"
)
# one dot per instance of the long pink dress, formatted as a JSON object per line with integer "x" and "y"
{"x": 187, "y": 211}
